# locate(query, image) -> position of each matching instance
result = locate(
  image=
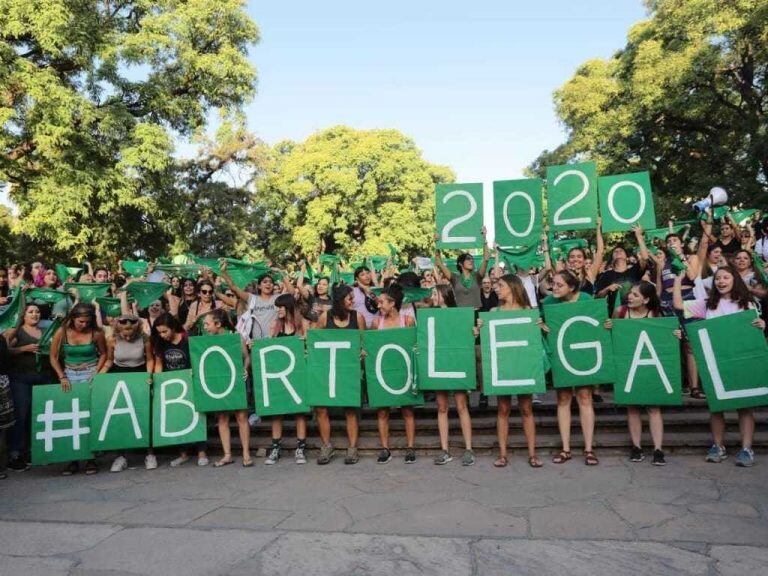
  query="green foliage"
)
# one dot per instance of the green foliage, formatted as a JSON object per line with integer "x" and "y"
{"x": 92, "y": 95}
{"x": 686, "y": 98}
{"x": 348, "y": 192}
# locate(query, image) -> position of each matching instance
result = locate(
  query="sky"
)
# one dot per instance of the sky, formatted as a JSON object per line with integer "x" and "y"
{"x": 470, "y": 82}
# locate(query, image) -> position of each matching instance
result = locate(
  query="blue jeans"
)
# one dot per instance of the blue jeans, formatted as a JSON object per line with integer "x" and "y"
{"x": 21, "y": 388}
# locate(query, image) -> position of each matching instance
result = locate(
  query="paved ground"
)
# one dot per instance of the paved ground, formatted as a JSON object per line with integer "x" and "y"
{"x": 618, "y": 518}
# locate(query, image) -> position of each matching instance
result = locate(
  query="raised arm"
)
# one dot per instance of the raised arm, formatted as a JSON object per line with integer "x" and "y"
{"x": 239, "y": 292}
{"x": 677, "y": 292}
{"x": 486, "y": 253}
{"x": 440, "y": 264}
{"x": 597, "y": 257}
{"x": 642, "y": 253}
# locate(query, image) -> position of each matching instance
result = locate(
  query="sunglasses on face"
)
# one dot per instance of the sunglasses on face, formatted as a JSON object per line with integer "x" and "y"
{"x": 126, "y": 321}
{"x": 206, "y": 291}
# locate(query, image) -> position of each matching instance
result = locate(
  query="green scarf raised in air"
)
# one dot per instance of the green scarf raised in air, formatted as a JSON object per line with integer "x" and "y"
{"x": 146, "y": 292}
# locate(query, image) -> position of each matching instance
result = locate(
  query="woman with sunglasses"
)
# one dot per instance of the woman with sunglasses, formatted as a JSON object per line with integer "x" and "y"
{"x": 289, "y": 322}
{"x": 205, "y": 303}
{"x": 78, "y": 352}
{"x": 130, "y": 350}
{"x": 217, "y": 323}
{"x": 170, "y": 346}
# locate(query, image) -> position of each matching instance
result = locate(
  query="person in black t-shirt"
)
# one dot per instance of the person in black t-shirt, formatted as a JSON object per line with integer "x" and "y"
{"x": 619, "y": 278}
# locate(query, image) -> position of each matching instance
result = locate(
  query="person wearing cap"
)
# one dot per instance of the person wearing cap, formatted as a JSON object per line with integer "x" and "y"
{"x": 130, "y": 350}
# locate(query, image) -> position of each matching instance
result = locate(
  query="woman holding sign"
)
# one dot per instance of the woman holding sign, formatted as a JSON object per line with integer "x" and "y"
{"x": 565, "y": 288}
{"x": 513, "y": 296}
{"x": 218, "y": 322}
{"x": 83, "y": 349}
{"x": 390, "y": 316}
{"x": 729, "y": 296}
{"x": 342, "y": 315}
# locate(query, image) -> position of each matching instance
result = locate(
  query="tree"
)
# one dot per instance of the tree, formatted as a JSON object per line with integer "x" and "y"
{"x": 92, "y": 95}
{"x": 686, "y": 99}
{"x": 348, "y": 192}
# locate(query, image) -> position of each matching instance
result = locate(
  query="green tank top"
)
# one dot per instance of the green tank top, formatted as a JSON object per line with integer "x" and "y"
{"x": 77, "y": 354}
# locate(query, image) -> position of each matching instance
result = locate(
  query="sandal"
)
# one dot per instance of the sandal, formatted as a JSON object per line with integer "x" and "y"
{"x": 500, "y": 462}
{"x": 225, "y": 461}
{"x": 562, "y": 458}
{"x": 247, "y": 463}
{"x": 72, "y": 468}
{"x": 91, "y": 468}
{"x": 698, "y": 394}
{"x": 590, "y": 459}
{"x": 534, "y": 462}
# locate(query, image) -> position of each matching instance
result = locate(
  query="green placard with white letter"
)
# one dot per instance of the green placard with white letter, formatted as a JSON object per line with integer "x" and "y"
{"x": 580, "y": 345}
{"x": 446, "y": 349}
{"x": 175, "y": 419}
{"x": 459, "y": 215}
{"x": 217, "y": 369}
{"x": 517, "y": 212}
{"x": 61, "y": 423}
{"x": 512, "y": 352}
{"x": 625, "y": 201}
{"x": 732, "y": 358}
{"x": 646, "y": 356}
{"x": 572, "y": 196}
{"x": 279, "y": 376}
{"x": 390, "y": 367}
{"x": 120, "y": 411}
{"x": 333, "y": 359}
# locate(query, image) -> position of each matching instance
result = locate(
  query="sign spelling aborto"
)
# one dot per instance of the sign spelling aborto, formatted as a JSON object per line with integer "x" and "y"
{"x": 279, "y": 376}
{"x": 517, "y": 211}
{"x": 581, "y": 351}
{"x": 512, "y": 352}
{"x": 120, "y": 411}
{"x": 732, "y": 357}
{"x": 646, "y": 357}
{"x": 218, "y": 372}
{"x": 390, "y": 367}
{"x": 61, "y": 423}
{"x": 459, "y": 215}
{"x": 175, "y": 419}
{"x": 572, "y": 196}
{"x": 333, "y": 359}
{"x": 625, "y": 201}
{"x": 446, "y": 349}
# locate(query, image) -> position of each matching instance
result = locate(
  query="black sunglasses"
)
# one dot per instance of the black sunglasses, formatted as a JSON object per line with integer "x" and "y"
{"x": 206, "y": 291}
{"x": 127, "y": 321}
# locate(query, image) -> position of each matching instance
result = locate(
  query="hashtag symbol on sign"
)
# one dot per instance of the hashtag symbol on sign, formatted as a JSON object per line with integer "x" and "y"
{"x": 74, "y": 431}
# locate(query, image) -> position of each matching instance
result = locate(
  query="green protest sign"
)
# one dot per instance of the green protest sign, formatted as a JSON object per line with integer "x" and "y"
{"x": 89, "y": 291}
{"x": 517, "y": 212}
{"x": 572, "y": 196}
{"x": 175, "y": 420}
{"x": 146, "y": 292}
{"x": 512, "y": 353}
{"x": 732, "y": 357}
{"x": 120, "y": 411}
{"x": 61, "y": 423}
{"x": 459, "y": 215}
{"x": 446, "y": 349}
{"x": 334, "y": 362}
{"x": 626, "y": 200}
{"x": 390, "y": 368}
{"x": 581, "y": 351}
{"x": 646, "y": 358}
{"x": 218, "y": 372}
{"x": 279, "y": 376}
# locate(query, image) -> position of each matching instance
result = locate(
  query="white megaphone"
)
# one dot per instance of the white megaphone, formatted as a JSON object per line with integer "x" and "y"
{"x": 717, "y": 197}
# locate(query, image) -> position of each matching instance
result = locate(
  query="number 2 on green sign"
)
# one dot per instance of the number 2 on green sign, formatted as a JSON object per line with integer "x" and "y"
{"x": 575, "y": 200}
{"x": 446, "y": 237}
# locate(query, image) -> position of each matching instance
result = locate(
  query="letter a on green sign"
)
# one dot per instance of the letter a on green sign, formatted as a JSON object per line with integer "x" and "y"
{"x": 732, "y": 358}
{"x": 459, "y": 215}
{"x": 61, "y": 423}
{"x": 175, "y": 420}
{"x": 390, "y": 367}
{"x": 572, "y": 196}
{"x": 646, "y": 356}
{"x": 219, "y": 376}
{"x": 626, "y": 200}
{"x": 446, "y": 349}
{"x": 120, "y": 411}
{"x": 580, "y": 345}
{"x": 279, "y": 376}
{"x": 512, "y": 352}
{"x": 334, "y": 363}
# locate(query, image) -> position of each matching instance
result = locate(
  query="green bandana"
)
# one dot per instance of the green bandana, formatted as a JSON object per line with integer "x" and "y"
{"x": 89, "y": 291}
{"x": 45, "y": 295}
{"x": 10, "y": 316}
{"x": 521, "y": 257}
{"x": 410, "y": 294}
{"x": 146, "y": 292}
{"x": 65, "y": 272}
{"x": 135, "y": 268}
{"x": 111, "y": 306}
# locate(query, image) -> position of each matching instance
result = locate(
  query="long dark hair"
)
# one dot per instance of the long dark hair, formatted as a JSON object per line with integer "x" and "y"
{"x": 446, "y": 293}
{"x": 4, "y": 289}
{"x": 222, "y": 317}
{"x": 569, "y": 278}
{"x": 168, "y": 320}
{"x": 519, "y": 295}
{"x": 739, "y": 292}
{"x": 292, "y": 313}
{"x": 648, "y": 290}
{"x": 337, "y": 304}
{"x": 81, "y": 309}
{"x": 395, "y": 291}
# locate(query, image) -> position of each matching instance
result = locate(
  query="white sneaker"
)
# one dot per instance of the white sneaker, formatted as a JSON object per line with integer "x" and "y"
{"x": 119, "y": 464}
{"x": 150, "y": 462}
{"x": 176, "y": 462}
{"x": 202, "y": 461}
{"x": 301, "y": 457}
{"x": 253, "y": 419}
